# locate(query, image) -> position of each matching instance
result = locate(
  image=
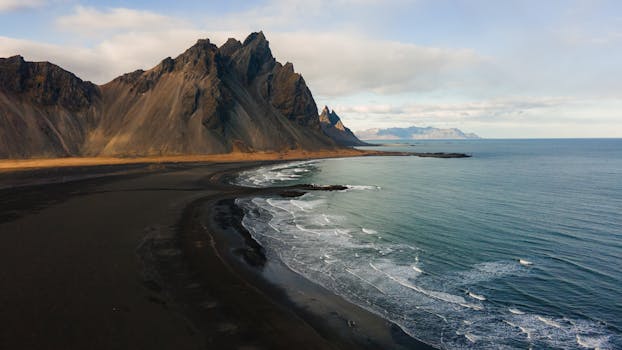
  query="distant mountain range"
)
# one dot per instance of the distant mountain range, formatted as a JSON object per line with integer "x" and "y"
{"x": 209, "y": 99}
{"x": 414, "y": 133}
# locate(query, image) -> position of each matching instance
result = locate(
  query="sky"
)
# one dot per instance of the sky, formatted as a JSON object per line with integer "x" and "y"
{"x": 501, "y": 69}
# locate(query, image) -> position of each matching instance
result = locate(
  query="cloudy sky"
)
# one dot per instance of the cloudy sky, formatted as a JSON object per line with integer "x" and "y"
{"x": 497, "y": 68}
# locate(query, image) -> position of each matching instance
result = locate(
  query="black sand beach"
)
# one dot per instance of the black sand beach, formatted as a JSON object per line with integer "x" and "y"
{"x": 155, "y": 257}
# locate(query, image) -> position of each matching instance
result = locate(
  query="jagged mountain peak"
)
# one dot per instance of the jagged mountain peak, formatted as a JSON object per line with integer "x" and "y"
{"x": 230, "y": 47}
{"x": 333, "y": 127}
{"x": 324, "y": 116}
{"x": 198, "y": 61}
{"x": 331, "y": 117}
{"x": 289, "y": 68}
{"x": 13, "y": 59}
{"x": 45, "y": 83}
{"x": 257, "y": 44}
{"x": 257, "y": 37}
{"x": 199, "y": 56}
{"x": 200, "y": 48}
{"x": 250, "y": 59}
{"x": 205, "y": 100}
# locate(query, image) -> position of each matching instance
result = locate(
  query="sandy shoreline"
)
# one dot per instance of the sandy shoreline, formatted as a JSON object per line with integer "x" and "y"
{"x": 39, "y": 163}
{"x": 339, "y": 323}
{"x": 11, "y": 165}
{"x": 145, "y": 257}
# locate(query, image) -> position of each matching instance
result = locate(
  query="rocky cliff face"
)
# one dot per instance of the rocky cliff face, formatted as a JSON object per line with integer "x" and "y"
{"x": 333, "y": 127}
{"x": 44, "y": 110}
{"x": 206, "y": 100}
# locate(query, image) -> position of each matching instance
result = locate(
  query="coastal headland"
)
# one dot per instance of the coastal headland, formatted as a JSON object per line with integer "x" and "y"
{"x": 133, "y": 253}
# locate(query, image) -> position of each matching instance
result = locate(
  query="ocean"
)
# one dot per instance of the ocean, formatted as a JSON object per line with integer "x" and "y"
{"x": 518, "y": 247}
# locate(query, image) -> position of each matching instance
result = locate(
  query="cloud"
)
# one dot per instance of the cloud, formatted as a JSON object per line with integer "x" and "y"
{"x": 119, "y": 40}
{"x": 340, "y": 48}
{"x": 110, "y": 58}
{"x": 283, "y": 15}
{"x": 91, "y": 21}
{"x": 343, "y": 63}
{"x": 12, "y": 5}
{"x": 526, "y": 109}
{"x": 78, "y": 59}
{"x": 500, "y": 106}
{"x": 338, "y": 55}
{"x": 333, "y": 63}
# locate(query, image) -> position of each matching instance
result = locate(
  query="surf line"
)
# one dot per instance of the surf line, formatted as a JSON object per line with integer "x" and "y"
{"x": 425, "y": 292}
{"x": 366, "y": 281}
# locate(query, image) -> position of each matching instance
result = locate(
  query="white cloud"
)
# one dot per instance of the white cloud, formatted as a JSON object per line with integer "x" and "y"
{"x": 110, "y": 58}
{"x": 343, "y": 63}
{"x": 12, "y": 5}
{"x": 73, "y": 58}
{"x": 336, "y": 63}
{"x": 91, "y": 21}
{"x": 327, "y": 44}
{"x": 303, "y": 14}
{"x": 122, "y": 40}
{"x": 519, "y": 110}
{"x": 508, "y": 106}
{"x": 325, "y": 41}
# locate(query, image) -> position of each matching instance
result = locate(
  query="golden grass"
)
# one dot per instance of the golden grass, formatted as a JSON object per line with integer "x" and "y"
{"x": 7, "y": 165}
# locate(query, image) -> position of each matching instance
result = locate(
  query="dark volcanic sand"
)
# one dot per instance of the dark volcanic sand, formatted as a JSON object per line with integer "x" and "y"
{"x": 144, "y": 257}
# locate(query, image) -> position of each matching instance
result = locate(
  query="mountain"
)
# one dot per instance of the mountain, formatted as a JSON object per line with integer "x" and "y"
{"x": 209, "y": 99}
{"x": 45, "y": 111}
{"x": 414, "y": 132}
{"x": 333, "y": 127}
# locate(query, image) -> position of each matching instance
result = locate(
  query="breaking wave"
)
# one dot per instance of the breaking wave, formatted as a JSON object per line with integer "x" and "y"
{"x": 450, "y": 310}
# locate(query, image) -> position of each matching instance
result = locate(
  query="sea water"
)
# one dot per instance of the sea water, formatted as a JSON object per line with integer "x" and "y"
{"x": 518, "y": 247}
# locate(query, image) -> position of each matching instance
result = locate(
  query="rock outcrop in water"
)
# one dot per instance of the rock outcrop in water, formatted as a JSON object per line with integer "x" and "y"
{"x": 209, "y": 99}
{"x": 334, "y": 128}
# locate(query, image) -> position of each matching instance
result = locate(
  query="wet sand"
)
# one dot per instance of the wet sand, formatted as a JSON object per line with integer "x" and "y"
{"x": 154, "y": 257}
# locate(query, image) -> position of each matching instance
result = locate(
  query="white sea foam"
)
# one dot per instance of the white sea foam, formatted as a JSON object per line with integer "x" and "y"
{"x": 363, "y": 188}
{"x": 303, "y": 205}
{"x": 484, "y": 272}
{"x": 596, "y": 343}
{"x": 441, "y": 317}
{"x": 366, "y": 281}
{"x": 472, "y": 338}
{"x": 526, "y": 331}
{"x": 269, "y": 175}
{"x": 369, "y": 231}
{"x": 548, "y": 322}
{"x": 447, "y": 297}
{"x": 525, "y": 262}
{"x": 476, "y": 296}
{"x": 323, "y": 247}
{"x": 509, "y": 323}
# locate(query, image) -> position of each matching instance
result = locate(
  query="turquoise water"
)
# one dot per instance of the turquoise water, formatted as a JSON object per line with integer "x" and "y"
{"x": 518, "y": 247}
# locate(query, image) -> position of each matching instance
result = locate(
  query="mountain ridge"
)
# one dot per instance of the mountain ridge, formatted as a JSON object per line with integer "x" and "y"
{"x": 207, "y": 100}
{"x": 335, "y": 129}
{"x": 414, "y": 133}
